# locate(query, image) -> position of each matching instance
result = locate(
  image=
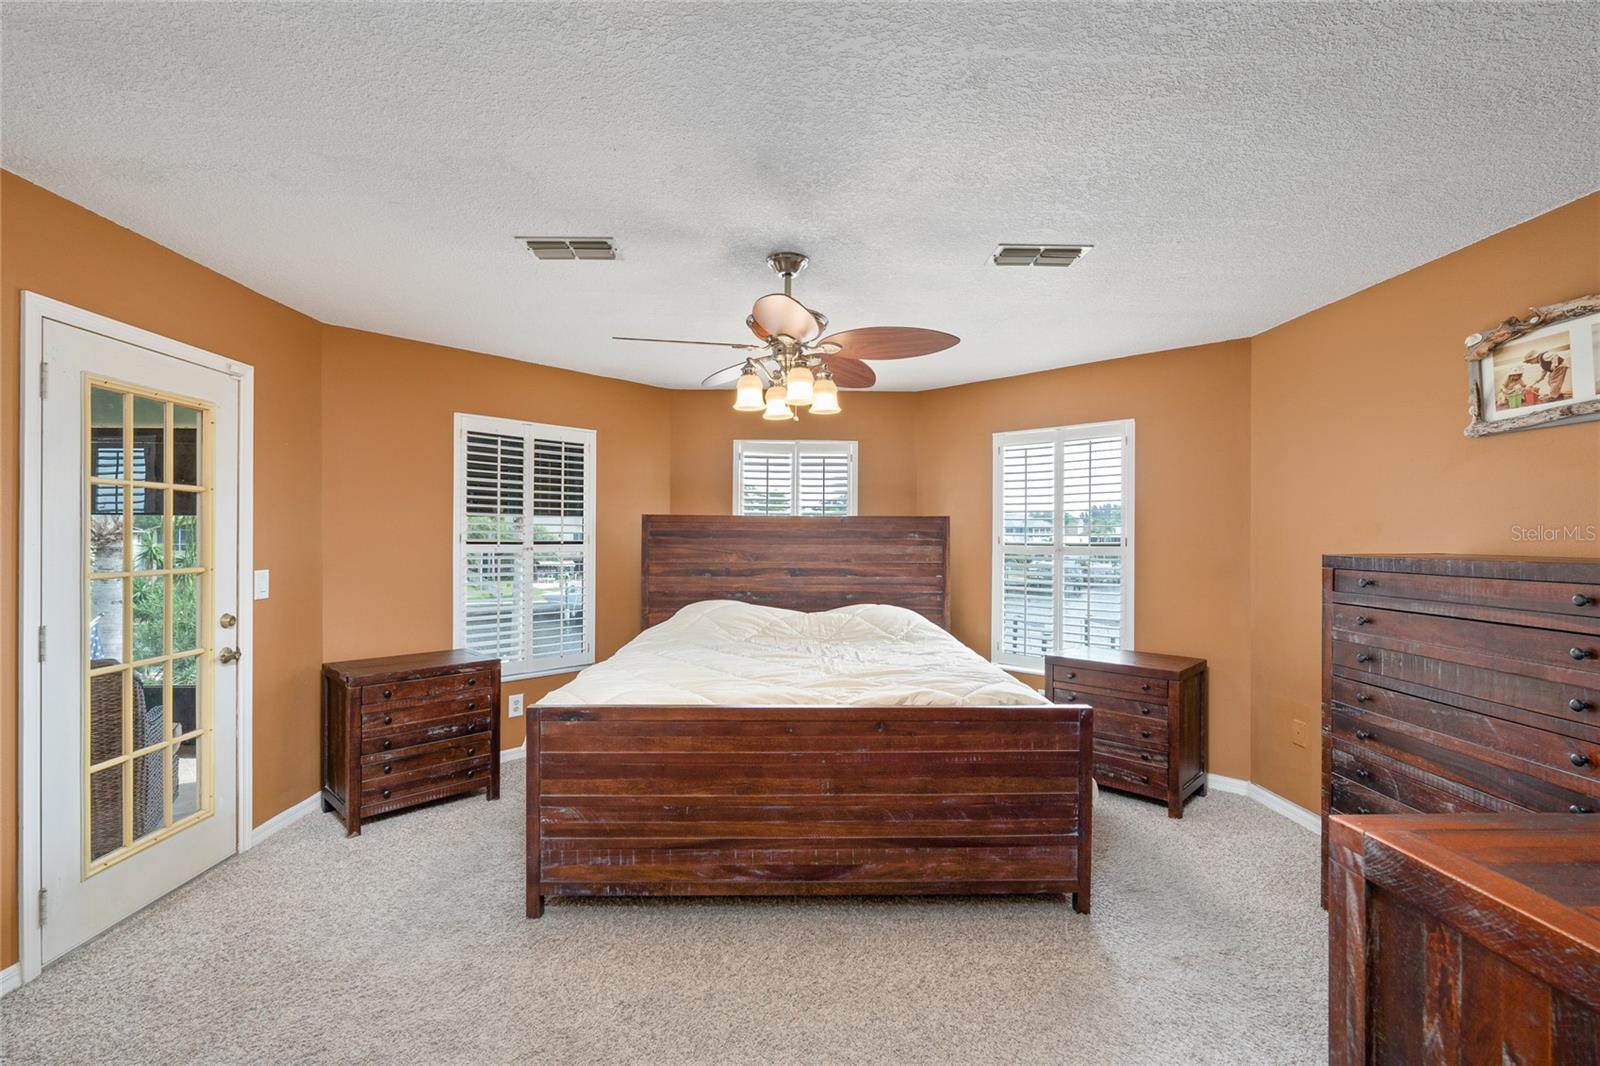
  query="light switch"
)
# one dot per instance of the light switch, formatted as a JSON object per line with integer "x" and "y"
{"x": 263, "y": 584}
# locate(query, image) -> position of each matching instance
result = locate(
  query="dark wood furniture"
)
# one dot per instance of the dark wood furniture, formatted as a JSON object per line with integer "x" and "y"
{"x": 408, "y": 729}
{"x": 1149, "y": 719}
{"x": 806, "y": 800}
{"x": 1456, "y": 684}
{"x": 1464, "y": 939}
{"x": 803, "y": 564}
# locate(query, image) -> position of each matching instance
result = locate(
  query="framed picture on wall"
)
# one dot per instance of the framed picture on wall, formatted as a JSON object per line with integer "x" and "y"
{"x": 1543, "y": 370}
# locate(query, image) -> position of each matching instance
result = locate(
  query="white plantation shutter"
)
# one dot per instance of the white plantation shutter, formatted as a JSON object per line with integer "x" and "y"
{"x": 1063, "y": 557}
{"x": 809, "y": 478}
{"x": 766, "y": 483}
{"x": 525, "y": 543}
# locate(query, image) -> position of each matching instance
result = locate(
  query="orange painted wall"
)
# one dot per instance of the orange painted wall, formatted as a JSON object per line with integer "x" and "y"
{"x": 56, "y": 248}
{"x": 1356, "y": 413}
{"x": 388, "y": 424}
{"x": 1191, "y": 502}
{"x": 704, "y": 427}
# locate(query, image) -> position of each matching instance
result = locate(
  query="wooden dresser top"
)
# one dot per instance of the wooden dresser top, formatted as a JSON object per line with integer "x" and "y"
{"x": 394, "y": 667}
{"x": 1531, "y": 878}
{"x": 1503, "y": 567}
{"x": 1150, "y": 663}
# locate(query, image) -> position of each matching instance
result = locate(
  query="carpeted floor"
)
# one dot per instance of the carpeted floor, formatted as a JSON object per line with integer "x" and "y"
{"x": 407, "y": 945}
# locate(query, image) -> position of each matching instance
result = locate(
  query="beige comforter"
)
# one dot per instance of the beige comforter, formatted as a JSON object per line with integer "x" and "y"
{"x": 728, "y": 653}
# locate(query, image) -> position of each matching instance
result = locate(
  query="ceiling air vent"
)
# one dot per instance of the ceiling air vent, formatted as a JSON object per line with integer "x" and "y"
{"x": 1044, "y": 255}
{"x": 570, "y": 247}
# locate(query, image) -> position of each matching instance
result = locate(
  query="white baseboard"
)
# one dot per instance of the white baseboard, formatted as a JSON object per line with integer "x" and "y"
{"x": 11, "y": 978}
{"x": 283, "y": 819}
{"x": 513, "y": 754}
{"x": 1267, "y": 798}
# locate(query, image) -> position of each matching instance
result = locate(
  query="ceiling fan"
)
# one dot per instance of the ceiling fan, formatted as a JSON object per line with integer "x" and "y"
{"x": 795, "y": 366}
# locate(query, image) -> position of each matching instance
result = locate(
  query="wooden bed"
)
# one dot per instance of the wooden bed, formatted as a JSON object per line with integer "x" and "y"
{"x": 805, "y": 800}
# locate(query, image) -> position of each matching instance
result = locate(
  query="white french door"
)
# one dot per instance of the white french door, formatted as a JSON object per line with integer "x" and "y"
{"x": 138, "y": 703}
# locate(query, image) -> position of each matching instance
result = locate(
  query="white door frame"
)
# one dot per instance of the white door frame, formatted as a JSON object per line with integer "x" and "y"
{"x": 35, "y": 310}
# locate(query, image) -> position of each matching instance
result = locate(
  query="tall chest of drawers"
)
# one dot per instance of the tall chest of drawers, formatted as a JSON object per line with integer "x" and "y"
{"x": 408, "y": 729}
{"x": 1460, "y": 684}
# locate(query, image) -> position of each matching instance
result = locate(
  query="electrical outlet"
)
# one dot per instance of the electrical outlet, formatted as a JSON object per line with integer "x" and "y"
{"x": 1297, "y": 733}
{"x": 514, "y": 708}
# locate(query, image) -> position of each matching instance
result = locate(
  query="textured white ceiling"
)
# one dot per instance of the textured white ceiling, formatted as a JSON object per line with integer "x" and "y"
{"x": 1235, "y": 165}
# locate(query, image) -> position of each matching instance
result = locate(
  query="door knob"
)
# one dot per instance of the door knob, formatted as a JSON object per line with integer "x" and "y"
{"x": 227, "y": 621}
{"x": 229, "y": 655}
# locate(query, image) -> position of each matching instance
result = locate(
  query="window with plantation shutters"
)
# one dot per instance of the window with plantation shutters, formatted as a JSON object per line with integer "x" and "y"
{"x": 1063, "y": 541}
{"x": 808, "y": 478}
{"x": 524, "y": 589}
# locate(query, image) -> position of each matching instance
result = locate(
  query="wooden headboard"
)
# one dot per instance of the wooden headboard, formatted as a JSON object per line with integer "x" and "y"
{"x": 803, "y": 564}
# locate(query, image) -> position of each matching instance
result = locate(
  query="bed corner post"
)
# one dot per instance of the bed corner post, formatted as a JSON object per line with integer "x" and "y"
{"x": 535, "y": 901}
{"x": 1080, "y": 898}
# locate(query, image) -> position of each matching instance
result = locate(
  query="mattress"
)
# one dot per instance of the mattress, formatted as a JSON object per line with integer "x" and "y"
{"x": 727, "y": 653}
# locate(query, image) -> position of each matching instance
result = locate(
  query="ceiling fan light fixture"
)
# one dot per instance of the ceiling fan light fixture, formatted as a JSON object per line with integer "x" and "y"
{"x": 799, "y": 383}
{"x": 777, "y": 409}
{"x": 825, "y": 396}
{"x": 749, "y": 398}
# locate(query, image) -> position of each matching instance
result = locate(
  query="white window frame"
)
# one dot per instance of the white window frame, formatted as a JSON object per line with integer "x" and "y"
{"x": 795, "y": 449}
{"x": 540, "y": 666}
{"x": 1057, "y": 435}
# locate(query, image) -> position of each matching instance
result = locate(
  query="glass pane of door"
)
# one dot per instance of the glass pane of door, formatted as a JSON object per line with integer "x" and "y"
{"x": 146, "y": 720}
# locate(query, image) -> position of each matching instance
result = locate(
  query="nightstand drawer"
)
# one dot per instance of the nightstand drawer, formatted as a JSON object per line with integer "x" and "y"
{"x": 1102, "y": 702}
{"x": 1074, "y": 676}
{"x": 426, "y": 688}
{"x": 1134, "y": 730}
{"x": 401, "y": 719}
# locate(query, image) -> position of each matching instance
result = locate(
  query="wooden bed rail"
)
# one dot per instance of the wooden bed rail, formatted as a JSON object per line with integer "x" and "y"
{"x": 808, "y": 800}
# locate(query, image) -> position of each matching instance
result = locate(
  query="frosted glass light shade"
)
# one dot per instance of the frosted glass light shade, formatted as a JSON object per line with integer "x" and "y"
{"x": 777, "y": 410}
{"x": 799, "y": 382}
{"x": 748, "y": 397}
{"x": 825, "y": 397}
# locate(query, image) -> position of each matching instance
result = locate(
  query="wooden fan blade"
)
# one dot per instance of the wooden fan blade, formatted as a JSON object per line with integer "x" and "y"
{"x": 703, "y": 344}
{"x": 850, "y": 373}
{"x": 726, "y": 376}
{"x": 890, "y": 342}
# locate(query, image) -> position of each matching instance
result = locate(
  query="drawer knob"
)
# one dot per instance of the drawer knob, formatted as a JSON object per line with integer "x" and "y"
{"x": 1144, "y": 686}
{"x": 471, "y": 704}
{"x": 1144, "y": 779}
{"x": 385, "y": 793}
{"x": 1365, "y": 582}
{"x": 472, "y": 751}
{"x": 1579, "y": 759}
{"x": 1362, "y": 697}
{"x": 1145, "y": 755}
{"x": 1362, "y": 619}
{"x": 1577, "y": 704}
{"x": 1070, "y": 674}
{"x": 387, "y": 693}
{"x": 1363, "y": 734}
{"x": 388, "y": 719}
{"x": 1363, "y": 658}
{"x": 1579, "y": 653}
{"x": 1145, "y": 733}
{"x": 388, "y": 744}
{"x": 1362, "y": 810}
{"x": 1580, "y": 600}
{"x": 1363, "y": 774}
{"x": 1576, "y": 809}
{"x": 471, "y": 772}
{"x": 387, "y": 767}
{"x": 472, "y": 681}
{"x": 1144, "y": 710}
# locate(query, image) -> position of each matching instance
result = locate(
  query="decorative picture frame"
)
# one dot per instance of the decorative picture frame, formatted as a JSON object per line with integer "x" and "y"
{"x": 1542, "y": 370}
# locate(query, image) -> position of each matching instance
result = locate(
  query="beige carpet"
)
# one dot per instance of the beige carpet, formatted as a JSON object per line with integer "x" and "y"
{"x": 407, "y": 945}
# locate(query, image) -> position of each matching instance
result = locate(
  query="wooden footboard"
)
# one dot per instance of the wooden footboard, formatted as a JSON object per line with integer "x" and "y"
{"x": 695, "y": 801}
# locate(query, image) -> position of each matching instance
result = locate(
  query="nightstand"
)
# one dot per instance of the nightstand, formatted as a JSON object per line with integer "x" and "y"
{"x": 1149, "y": 719}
